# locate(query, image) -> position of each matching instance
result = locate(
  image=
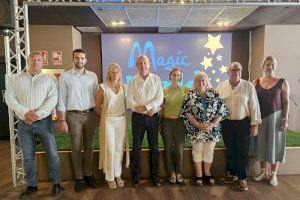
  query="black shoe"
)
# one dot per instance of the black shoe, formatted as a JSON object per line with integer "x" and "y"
{"x": 79, "y": 185}
{"x": 156, "y": 182}
{"x": 56, "y": 189}
{"x": 135, "y": 182}
{"x": 90, "y": 181}
{"x": 210, "y": 180}
{"x": 29, "y": 191}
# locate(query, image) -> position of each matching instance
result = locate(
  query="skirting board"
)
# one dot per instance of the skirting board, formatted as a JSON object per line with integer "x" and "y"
{"x": 291, "y": 166}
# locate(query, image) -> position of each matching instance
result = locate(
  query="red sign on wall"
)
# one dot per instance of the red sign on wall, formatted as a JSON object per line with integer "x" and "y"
{"x": 44, "y": 54}
{"x": 57, "y": 57}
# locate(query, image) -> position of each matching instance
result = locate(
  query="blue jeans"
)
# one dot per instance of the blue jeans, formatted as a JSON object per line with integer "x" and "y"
{"x": 27, "y": 136}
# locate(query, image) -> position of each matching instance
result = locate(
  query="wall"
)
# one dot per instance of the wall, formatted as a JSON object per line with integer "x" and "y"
{"x": 2, "y": 46}
{"x": 240, "y": 51}
{"x": 55, "y": 38}
{"x": 91, "y": 43}
{"x": 257, "y": 52}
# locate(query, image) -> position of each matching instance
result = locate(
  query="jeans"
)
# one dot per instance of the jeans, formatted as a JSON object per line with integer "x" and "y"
{"x": 140, "y": 124}
{"x": 27, "y": 136}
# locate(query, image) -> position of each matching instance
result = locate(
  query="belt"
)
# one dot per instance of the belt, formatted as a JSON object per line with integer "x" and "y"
{"x": 144, "y": 114}
{"x": 115, "y": 115}
{"x": 82, "y": 111}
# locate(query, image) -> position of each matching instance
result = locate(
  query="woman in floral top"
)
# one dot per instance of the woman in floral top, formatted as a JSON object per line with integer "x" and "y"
{"x": 202, "y": 110}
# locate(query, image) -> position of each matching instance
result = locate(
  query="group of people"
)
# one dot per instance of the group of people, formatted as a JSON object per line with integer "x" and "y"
{"x": 243, "y": 113}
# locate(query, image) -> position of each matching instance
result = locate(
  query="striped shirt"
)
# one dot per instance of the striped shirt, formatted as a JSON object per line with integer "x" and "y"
{"x": 241, "y": 101}
{"x": 25, "y": 92}
{"x": 77, "y": 91}
{"x": 148, "y": 92}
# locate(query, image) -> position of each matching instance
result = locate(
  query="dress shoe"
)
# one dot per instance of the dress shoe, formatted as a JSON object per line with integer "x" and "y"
{"x": 79, "y": 185}
{"x": 172, "y": 178}
{"x": 90, "y": 181}
{"x": 243, "y": 185}
{"x": 56, "y": 189}
{"x": 136, "y": 182}
{"x": 156, "y": 182}
{"x": 29, "y": 191}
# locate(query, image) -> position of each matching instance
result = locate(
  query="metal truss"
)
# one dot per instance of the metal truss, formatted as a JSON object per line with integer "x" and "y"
{"x": 164, "y": 2}
{"x": 16, "y": 58}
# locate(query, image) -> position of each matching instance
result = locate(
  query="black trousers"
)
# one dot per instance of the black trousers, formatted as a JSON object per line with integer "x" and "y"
{"x": 142, "y": 123}
{"x": 236, "y": 136}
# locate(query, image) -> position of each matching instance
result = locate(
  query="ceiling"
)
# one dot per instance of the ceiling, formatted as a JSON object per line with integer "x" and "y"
{"x": 163, "y": 19}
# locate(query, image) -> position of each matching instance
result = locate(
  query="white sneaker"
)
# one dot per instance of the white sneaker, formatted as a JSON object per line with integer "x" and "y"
{"x": 273, "y": 180}
{"x": 261, "y": 176}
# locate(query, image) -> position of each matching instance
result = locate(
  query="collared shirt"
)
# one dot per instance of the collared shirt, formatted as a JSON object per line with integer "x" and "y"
{"x": 241, "y": 101}
{"x": 146, "y": 92}
{"x": 77, "y": 91}
{"x": 25, "y": 92}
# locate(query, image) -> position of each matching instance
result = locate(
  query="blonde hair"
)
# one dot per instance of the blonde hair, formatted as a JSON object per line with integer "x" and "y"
{"x": 174, "y": 69}
{"x": 269, "y": 58}
{"x": 111, "y": 67}
{"x": 199, "y": 75}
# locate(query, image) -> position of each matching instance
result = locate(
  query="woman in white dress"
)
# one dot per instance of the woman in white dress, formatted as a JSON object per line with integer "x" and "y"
{"x": 110, "y": 105}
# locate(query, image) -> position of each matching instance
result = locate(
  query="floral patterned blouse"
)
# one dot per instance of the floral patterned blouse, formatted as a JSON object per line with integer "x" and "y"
{"x": 192, "y": 106}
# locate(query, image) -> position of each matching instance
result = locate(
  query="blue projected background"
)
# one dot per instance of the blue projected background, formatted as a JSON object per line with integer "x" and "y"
{"x": 208, "y": 52}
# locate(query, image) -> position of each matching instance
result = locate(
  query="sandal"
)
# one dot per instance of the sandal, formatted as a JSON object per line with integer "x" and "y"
{"x": 209, "y": 180}
{"x": 120, "y": 181}
{"x": 172, "y": 178}
{"x": 112, "y": 184}
{"x": 199, "y": 181}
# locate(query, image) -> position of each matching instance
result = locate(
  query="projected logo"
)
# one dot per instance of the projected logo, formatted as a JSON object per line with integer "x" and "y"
{"x": 192, "y": 52}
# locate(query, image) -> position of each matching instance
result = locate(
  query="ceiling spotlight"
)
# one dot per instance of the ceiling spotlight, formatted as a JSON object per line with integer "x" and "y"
{"x": 220, "y": 23}
{"x": 120, "y": 23}
{"x": 182, "y": 1}
{"x": 226, "y": 23}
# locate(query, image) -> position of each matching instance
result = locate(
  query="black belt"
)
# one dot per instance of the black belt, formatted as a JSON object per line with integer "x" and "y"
{"x": 82, "y": 111}
{"x": 144, "y": 114}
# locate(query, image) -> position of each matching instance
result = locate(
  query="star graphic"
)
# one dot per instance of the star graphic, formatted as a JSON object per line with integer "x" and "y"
{"x": 213, "y": 43}
{"x": 206, "y": 62}
{"x": 219, "y": 57}
{"x": 223, "y": 69}
{"x": 218, "y": 80}
{"x": 213, "y": 71}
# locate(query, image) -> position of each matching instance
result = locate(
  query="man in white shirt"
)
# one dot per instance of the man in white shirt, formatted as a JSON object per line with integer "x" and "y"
{"x": 145, "y": 96}
{"x": 33, "y": 95}
{"x": 242, "y": 122}
{"x": 77, "y": 98}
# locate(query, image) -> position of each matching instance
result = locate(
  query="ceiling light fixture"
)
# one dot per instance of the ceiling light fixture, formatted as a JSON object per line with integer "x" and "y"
{"x": 120, "y": 23}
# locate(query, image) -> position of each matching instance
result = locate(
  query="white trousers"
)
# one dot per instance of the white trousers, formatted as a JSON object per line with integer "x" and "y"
{"x": 115, "y": 136}
{"x": 203, "y": 151}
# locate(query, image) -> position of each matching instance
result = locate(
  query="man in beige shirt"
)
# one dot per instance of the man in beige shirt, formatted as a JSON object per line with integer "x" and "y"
{"x": 242, "y": 122}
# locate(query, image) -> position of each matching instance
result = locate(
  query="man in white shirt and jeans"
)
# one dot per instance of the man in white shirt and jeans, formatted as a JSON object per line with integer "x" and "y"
{"x": 33, "y": 95}
{"x": 145, "y": 96}
{"x": 242, "y": 122}
{"x": 78, "y": 89}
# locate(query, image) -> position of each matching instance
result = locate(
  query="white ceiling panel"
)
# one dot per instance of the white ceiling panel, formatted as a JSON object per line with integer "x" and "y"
{"x": 142, "y": 17}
